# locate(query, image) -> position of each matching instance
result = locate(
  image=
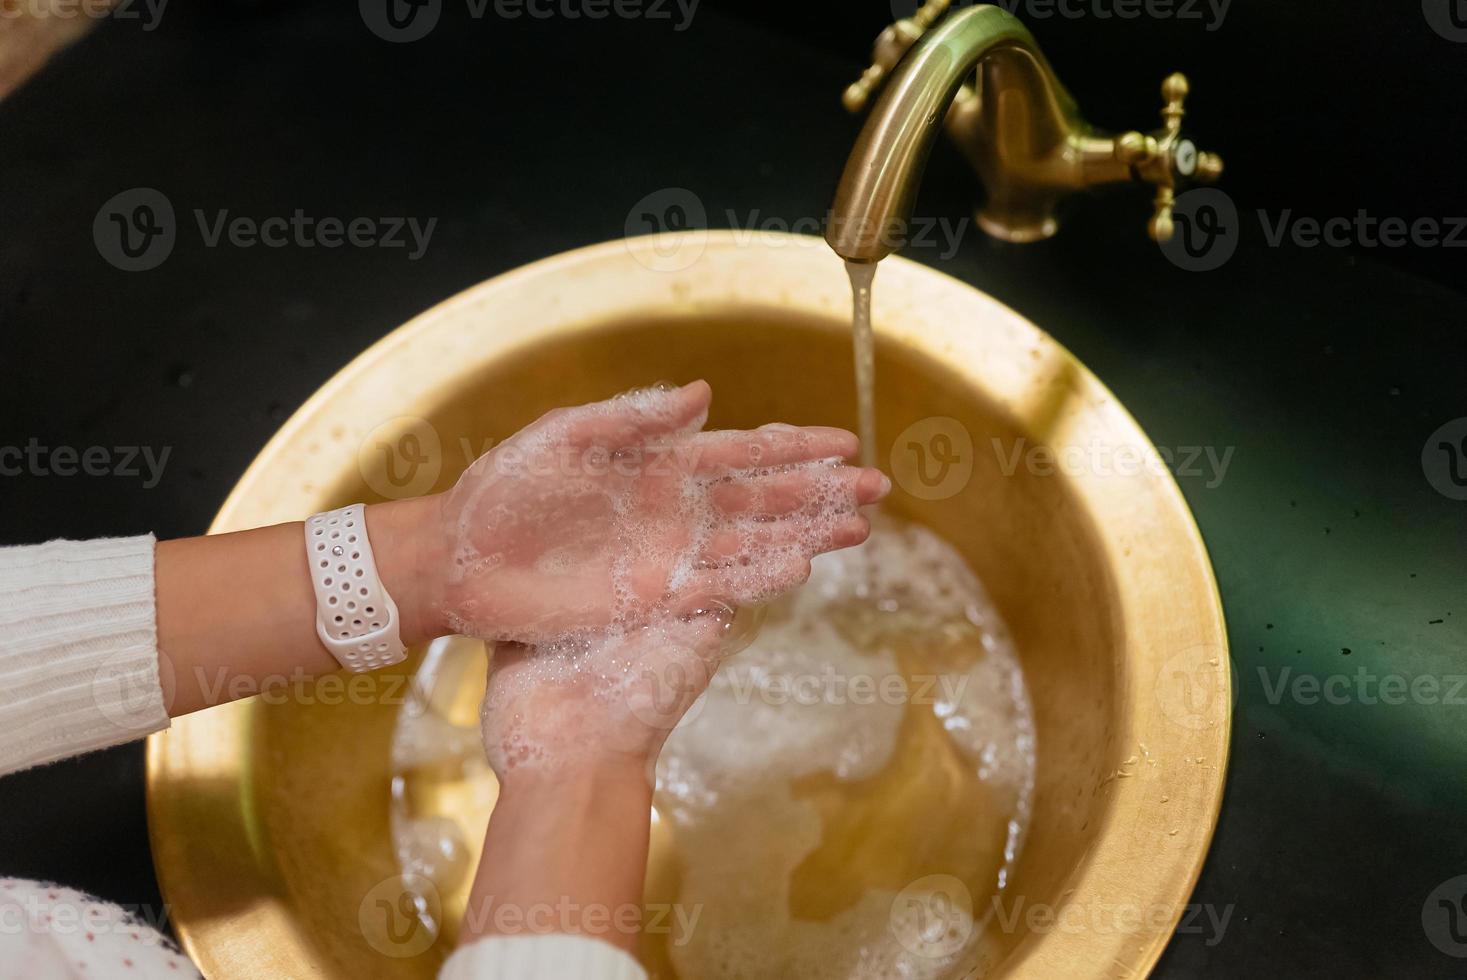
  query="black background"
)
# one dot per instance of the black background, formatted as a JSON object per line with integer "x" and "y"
{"x": 1326, "y": 368}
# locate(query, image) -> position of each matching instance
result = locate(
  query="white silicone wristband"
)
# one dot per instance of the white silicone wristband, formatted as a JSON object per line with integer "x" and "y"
{"x": 355, "y": 617}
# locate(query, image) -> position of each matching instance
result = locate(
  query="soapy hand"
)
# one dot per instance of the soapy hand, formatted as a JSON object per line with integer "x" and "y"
{"x": 615, "y": 514}
{"x": 602, "y": 701}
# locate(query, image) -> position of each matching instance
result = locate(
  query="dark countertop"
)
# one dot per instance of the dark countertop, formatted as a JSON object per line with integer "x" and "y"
{"x": 1319, "y": 374}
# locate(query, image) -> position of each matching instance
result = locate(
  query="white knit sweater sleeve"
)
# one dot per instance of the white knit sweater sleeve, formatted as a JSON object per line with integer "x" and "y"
{"x": 78, "y": 672}
{"x": 78, "y": 649}
{"x": 551, "y": 957}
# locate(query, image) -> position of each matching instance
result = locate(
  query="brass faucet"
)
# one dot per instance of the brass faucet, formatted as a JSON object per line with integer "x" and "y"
{"x": 980, "y": 72}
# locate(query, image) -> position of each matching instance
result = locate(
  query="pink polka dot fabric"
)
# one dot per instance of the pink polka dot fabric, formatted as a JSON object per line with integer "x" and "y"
{"x": 49, "y": 932}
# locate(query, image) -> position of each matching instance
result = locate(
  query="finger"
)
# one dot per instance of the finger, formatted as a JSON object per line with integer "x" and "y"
{"x": 732, "y": 584}
{"x": 639, "y": 416}
{"x": 771, "y": 445}
{"x": 767, "y": 495}
{"x": 747, "y": 585}
{"x": 739, "y": 544}
{"x": 693, "y": 400}
{"x": 749, "y": 539}
{"x": 848, "y": 533}
{"x": 853, "y": 486}
{"x": 871, "y": 485}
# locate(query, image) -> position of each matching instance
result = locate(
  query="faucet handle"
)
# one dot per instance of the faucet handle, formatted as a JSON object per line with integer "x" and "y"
{"x": 890, "y": 45}
{"x": 1166, "y": 156}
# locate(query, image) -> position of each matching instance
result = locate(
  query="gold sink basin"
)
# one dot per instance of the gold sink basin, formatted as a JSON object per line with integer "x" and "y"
{"x": 269, "y": 818}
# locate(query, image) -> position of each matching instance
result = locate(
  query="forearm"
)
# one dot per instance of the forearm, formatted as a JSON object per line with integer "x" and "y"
{"x": 565, "y": 853}
{"x": 236, "y": 611}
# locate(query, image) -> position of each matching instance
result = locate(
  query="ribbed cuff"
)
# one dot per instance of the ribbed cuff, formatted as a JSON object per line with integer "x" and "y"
{"x": 78, "y": 649}
{"x": 551, "y": 957}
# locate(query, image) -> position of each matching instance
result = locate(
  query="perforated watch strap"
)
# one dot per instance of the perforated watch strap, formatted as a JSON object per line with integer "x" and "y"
{"x": 355, "y": 617}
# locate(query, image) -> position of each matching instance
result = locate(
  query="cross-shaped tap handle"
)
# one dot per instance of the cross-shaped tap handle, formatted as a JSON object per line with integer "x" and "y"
{"x": 1166, "y": 156}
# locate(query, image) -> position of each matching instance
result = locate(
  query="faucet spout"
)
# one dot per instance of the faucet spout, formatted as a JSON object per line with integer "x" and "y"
{"x": 878, "y": 188}
{"x": 979, "y": 72}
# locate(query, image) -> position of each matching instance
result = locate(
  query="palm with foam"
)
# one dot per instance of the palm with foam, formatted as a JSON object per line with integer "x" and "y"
{"x": 614, "y": 514}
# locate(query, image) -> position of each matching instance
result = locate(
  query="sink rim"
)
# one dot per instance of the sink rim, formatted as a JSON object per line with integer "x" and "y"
{"x": 914, "y": 304}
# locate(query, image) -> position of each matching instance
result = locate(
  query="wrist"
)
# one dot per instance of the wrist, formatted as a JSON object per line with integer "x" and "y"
{"x": 595, "y": 776}
{"x": 572, "y": 837}
{"x": 409, "y": 546}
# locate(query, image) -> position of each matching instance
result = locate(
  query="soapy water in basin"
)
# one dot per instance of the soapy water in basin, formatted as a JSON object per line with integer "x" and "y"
{"x": 847, "y": 800}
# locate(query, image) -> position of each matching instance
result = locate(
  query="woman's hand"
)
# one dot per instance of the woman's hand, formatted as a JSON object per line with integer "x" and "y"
{"x": 621, "y": 511}
{"x": 572, "y": 731}
{"x": 614, "y": 542}
{"x": 603, "y": 703}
